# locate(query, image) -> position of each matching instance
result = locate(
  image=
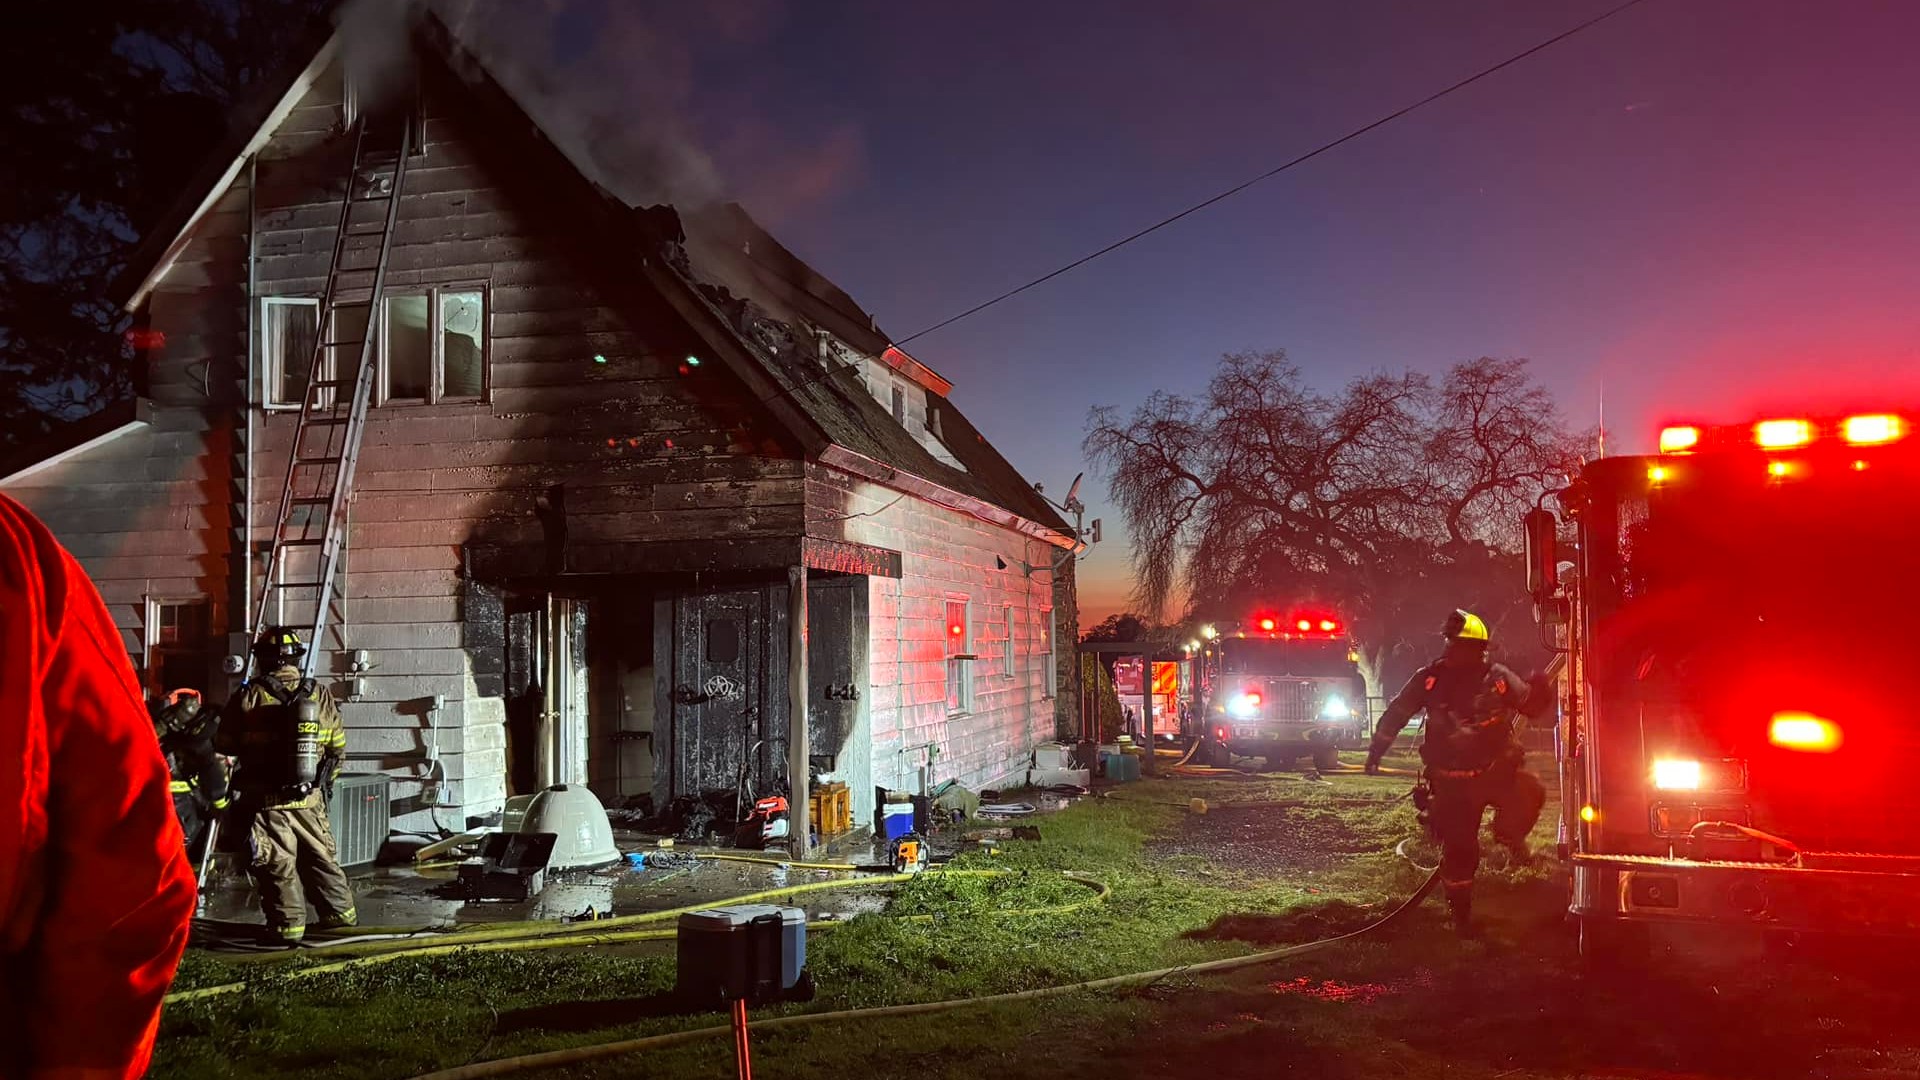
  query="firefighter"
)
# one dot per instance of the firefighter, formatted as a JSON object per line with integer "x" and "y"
{"x": 186, "y": 731}
{"x": 285, "y": 730}
{"x": 95, "y": 892}
{"x": 1472, "y": 754}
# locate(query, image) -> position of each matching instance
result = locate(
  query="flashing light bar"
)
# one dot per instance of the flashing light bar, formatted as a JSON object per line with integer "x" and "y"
{"x": 1804, "y": 731}
{"x": 1872, "y": 430}
{"x": 1679, "y": 440}
{"x": 1787, "y": 433}
{"x": 1782, "y": 434}
{"x": 1268, "y": 624}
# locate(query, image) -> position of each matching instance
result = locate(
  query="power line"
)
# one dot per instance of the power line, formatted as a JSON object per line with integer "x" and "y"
{"x": 1273, "y": 172}
{"x": 1230, "y": 192}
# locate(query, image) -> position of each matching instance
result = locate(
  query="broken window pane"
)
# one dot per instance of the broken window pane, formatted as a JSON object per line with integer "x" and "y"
{"x": 462, "y": 321}
{"x": 288, "y": 336}
{"x": 409, "y": 349}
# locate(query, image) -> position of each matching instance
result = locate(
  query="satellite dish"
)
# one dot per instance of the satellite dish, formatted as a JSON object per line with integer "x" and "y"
{"x": 1073, "y": 489}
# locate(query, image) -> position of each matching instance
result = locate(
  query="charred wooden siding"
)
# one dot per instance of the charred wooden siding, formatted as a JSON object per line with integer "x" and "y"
{"x": 945, "y": 554}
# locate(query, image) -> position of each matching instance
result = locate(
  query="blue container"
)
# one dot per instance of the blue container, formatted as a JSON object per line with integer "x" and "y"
{"x": 896, "y": 820}
{"x": 1121, "y": 768}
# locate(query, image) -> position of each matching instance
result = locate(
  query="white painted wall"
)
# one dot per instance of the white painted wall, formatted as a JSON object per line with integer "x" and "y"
{"x": 943, "y": 553}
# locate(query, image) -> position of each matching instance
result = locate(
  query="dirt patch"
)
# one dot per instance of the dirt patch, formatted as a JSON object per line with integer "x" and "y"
{"x": 1262, "y": 841}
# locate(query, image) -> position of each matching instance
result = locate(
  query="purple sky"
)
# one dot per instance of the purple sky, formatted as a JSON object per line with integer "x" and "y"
{"x": 1708, "y": 206}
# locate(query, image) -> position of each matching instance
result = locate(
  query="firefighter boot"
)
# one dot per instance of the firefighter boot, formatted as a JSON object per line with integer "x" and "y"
{"x": 339, "y": 921}
{"x": 1460, "y": 908}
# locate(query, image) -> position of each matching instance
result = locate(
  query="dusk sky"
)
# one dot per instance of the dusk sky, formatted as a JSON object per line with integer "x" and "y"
{"x": 1706, "y": 206}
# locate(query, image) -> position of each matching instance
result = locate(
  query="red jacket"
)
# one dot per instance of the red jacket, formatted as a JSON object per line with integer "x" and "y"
{"x": 96, "y": 894}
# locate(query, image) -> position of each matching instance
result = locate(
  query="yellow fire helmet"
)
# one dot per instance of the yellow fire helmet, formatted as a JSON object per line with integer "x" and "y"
{"x": 1465, "y": 626}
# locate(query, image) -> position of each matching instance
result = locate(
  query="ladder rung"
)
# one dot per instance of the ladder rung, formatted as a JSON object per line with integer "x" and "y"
{"x": 303, "y": 541}
{"x": 300, "y": 585}
{"x": 327, "y": 384}
{"x": 316, "y": 461}
{"x": 344, "y": 341}
{"x": 311, "y": 500}
{"x": 329, "y": 420}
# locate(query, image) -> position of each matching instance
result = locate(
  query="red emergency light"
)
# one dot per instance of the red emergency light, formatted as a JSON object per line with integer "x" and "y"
{"x": 1269, "y": 624}
{"x": 1786, "y": 433}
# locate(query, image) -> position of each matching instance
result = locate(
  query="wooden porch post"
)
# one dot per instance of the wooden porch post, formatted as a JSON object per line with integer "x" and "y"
{"x": 798, "y": 815}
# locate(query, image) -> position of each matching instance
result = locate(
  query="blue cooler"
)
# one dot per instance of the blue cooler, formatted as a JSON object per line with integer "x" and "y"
{"x": 896, "y": 820}
{"x": 756, "y": 952}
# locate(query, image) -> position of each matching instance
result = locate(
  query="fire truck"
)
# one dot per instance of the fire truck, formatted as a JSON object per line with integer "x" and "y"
{"x": 1737, "y": 621}
{"x": 1281, "y": 688}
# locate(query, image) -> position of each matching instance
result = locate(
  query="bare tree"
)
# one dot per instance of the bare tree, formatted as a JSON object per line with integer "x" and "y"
{"x": 1383, "y": 500}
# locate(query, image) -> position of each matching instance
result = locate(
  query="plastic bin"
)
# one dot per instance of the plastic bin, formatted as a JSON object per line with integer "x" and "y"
{"x": 896, "y": 820}
{"x": 756, "y": 952}
{"x": 1121, "y": 767}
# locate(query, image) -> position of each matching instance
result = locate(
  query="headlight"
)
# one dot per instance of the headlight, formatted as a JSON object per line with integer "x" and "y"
{"x": 1335, "y": 709}
{"x": 1244, "y": 706}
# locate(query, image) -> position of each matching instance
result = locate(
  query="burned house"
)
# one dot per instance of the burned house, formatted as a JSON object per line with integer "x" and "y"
{"x": 605, "y": 503}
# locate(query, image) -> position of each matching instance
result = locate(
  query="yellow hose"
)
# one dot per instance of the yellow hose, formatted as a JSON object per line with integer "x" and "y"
{"x": 572, "y": 935}
{"x": 764, "y": 860}
{"x": 580, "y": 1054}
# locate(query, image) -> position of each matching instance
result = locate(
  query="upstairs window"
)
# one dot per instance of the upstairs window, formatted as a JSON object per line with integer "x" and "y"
{"x": 289, "y": 332}
{"x": 434, "y": 347}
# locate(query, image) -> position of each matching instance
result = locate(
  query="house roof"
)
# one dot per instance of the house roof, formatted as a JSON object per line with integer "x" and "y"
{"x": 77, "y": 437}
{"x": 835, "y": 419}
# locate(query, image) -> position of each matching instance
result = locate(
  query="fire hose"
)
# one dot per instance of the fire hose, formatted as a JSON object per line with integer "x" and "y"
{"x": 615, "y": 931}
{"x": 581, "y": 1054}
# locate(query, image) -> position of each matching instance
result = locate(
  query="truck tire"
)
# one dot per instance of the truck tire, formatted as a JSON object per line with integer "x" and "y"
{"x": 1326, "y": 758}
{"x": 1612, "y": 947}
{"x": 1216, "y": 755}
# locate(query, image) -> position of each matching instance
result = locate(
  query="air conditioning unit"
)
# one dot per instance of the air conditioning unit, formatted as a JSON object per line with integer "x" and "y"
{"x": 360, "y": 812}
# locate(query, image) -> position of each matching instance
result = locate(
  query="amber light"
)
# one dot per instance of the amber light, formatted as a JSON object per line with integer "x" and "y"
{"x": 1804, "y": 731}
{"x": 1675, "y": 440}
{"x": 1872, "y": 430}
{"x": 1659, "y": 474}
{"x": 1588, "y": 814}
{"x": 1779, "y": 469}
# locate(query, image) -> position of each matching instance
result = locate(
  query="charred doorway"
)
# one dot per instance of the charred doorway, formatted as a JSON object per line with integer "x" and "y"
{"x": 839, "y": 739}
{"x": 722, "y": 690}
{"x": 548, "y": 703}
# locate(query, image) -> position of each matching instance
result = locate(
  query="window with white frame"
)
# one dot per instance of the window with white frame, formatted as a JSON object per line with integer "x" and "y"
{"x": 958, "y": 631}
{"x": 433, "y": 346}
{"x": 289, "y": 332}
{"x": 179, "y": 641}
{"x": 1008, "y": 665}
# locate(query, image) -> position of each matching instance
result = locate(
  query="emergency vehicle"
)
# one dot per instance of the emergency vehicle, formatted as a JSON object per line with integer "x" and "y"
{"x": 1736, "y": 741}
{"x": 1281, "y": 688}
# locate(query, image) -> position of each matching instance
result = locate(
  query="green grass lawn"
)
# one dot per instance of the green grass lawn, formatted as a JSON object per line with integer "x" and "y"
{"x": 409, "y": 1016}
{"x": 1411, "y": 1001}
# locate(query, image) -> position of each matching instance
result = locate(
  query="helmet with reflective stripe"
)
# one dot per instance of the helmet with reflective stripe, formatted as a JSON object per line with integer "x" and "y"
{"x": 1465, "y": 626}
{"x": 278, "y": 645}
{"x": 179, "y": 711}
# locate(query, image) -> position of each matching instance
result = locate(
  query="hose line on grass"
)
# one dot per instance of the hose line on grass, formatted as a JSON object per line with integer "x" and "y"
{"x": 578, "y": 1055}
{"x": 601, "y": 932}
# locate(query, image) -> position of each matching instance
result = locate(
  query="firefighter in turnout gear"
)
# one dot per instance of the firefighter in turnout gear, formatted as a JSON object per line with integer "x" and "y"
{"x": 285, "y": 730}
{"x": 186, "y": 730}
{"x": 1472, "y": 754}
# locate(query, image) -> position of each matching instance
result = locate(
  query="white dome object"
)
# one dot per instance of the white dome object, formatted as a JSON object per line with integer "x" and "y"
{"x": 575, "y": 816}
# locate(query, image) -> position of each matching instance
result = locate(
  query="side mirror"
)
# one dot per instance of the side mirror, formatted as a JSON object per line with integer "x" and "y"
{"x": 1543, "y": 557}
